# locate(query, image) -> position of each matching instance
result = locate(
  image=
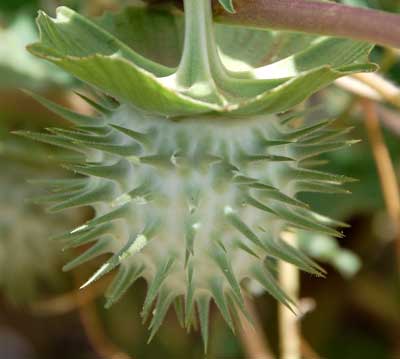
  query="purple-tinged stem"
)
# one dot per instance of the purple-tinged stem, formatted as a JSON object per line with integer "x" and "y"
{"x": 317, "y": 17}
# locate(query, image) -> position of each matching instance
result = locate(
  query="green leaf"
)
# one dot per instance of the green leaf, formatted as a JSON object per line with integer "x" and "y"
{"x": 296, "y": 90}
{"x": 154, "y": 33}
{"x": 227, "y": 5}
{"x": 245, "y": 47}
{"x": 71, "y": 34}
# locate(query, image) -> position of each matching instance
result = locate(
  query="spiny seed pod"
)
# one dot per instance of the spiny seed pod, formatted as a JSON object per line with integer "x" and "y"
{"x": 192, "y": 174}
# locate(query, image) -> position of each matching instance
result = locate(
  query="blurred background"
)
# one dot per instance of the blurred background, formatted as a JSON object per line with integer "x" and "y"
{"x": 353, "y": 313}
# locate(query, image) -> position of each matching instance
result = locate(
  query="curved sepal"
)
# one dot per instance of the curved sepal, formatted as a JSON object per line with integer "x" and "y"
{"x": 80, "y": 47}
{"x": 204, "y": 83}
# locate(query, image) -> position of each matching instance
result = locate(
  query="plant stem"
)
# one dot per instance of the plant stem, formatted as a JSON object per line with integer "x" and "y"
{"x": 252, "y": 336}
{"x": 70, "y": 301}
{"x": 371, "y": 86}
{"x": 200, "y": 54}
{"x": 96, "y": 336}
{"x": 324, "y": 18}
{"x": 196, "y": 49}
{"x": 289, "y": 330}
{"x": 307, "y": 351}
{"x": 387, "y": 90}
{"x": 386, "y": 172}
{"x": 93, "y": 327}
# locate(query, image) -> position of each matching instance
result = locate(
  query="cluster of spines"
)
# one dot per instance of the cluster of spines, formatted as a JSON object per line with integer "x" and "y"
{"x": 96, "y": 133}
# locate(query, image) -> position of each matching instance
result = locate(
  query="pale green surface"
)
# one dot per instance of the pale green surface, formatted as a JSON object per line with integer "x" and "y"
{"x": 195, "y": 206}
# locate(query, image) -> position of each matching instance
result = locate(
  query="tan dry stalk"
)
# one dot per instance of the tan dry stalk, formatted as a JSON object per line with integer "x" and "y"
{"x": 384, "y": 165}
{"x": 289, "y": 329}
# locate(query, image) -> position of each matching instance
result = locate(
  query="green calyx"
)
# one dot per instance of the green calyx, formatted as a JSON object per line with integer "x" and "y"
{"x": 205, "y": 80}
